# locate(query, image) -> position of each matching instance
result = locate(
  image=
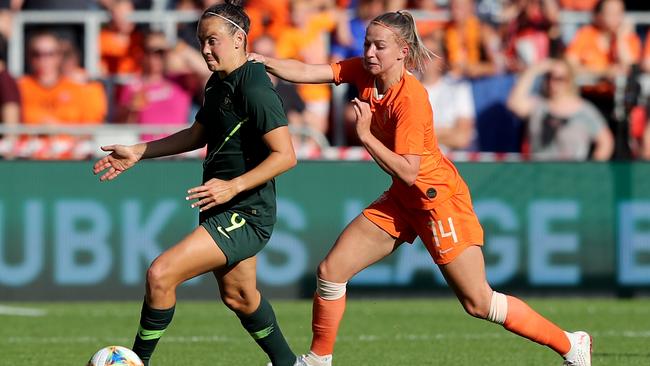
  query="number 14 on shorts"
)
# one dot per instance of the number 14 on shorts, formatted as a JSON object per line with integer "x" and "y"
{"x": 438, "y": 229}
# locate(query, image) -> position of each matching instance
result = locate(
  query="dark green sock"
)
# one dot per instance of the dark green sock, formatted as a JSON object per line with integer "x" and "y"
{"x": 263, "y": 327}
{"x": 153, "y": 323}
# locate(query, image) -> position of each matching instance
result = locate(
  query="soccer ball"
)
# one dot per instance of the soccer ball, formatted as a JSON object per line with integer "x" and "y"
{"x": 115, "y": 356}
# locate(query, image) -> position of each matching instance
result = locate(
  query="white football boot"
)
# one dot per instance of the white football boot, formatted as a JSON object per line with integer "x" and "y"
{"x": 311, "y": 359}
{"x": 580, "y": 353}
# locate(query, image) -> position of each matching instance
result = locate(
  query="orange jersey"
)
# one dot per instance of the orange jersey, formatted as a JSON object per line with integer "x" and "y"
{"x": 119, "y": 55}
{"x": 464, "y": 45}
{"x": 66, "y": 102}
{"x": 403, "y": 121}
{"x": 591, "y": 50}
{"x": 581, "y": 5}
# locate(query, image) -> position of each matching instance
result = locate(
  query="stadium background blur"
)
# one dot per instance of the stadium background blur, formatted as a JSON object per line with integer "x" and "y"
{"x": 75, "y": 75}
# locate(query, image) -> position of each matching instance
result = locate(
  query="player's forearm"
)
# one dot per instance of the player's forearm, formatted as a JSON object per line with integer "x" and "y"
{"x": 298, "y": 72}
{"x": 275, "y": 164}
{"x": 185, "y": 140}
{"x": 392, "y": 163}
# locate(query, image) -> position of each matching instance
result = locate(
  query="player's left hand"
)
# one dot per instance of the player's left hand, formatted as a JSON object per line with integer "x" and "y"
{"x": 256, "y": 57}
{"x": 212, "y": 193}
{"x": 363, "y": 115}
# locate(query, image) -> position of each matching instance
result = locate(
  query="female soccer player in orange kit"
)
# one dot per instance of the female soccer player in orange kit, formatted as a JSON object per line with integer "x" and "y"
{"x": 427, "y": 198}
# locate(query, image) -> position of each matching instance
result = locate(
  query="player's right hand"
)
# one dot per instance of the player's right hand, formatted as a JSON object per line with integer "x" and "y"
{"x": 120, "y": 159}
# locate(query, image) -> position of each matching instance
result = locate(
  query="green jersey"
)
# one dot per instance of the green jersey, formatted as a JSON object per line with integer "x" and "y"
{"x": 237, "y": 111}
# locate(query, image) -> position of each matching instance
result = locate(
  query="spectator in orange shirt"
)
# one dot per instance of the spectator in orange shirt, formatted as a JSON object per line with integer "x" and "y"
{"x": 609, "y": 46}
{"x": 578, "y": 5}
{"x": 269, "y": 17}
{"x": 473, "y": 47}
{"x": 120, "y": 43}
{"x": 646, "y": 54}
{"x": 305, "y": 40}
{"x": 50, "y": 98}
{"x": 426, "y": 25}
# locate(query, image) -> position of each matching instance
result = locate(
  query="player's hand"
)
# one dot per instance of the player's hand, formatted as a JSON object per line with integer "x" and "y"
{"x": 363, "y": 116}
{"x": 256, "y": 58}
{"x": 120, "y": 159}
{"x": 212, "y": 193}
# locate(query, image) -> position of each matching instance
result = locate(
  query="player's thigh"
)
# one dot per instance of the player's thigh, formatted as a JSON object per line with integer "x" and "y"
{"x": 194, "y": 255}
{"x": 361, "y": 244}
{"x": 466, "y": 276}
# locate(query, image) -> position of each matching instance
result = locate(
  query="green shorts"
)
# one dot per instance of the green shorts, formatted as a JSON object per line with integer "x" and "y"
{"x": 237, "y": 235}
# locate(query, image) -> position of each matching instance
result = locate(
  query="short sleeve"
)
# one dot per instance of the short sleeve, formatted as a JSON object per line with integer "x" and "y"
{"x": 349, "y": 71}
{"x": 201, "y": 114}
{"x": 410, "y": 126}
{"x": 263, "y": 106}
{"x": 594, "y": 120}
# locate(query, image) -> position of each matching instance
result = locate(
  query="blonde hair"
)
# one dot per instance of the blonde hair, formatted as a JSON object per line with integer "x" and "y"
{"x": 402, "y": 24}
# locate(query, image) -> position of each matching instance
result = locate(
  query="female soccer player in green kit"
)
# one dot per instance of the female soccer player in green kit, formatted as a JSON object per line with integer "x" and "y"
{"x": 245, "y": 129}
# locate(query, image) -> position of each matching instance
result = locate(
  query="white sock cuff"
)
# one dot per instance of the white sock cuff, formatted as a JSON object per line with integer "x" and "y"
{"x": 330, "y": 290}
{"x": 498, "y": 308}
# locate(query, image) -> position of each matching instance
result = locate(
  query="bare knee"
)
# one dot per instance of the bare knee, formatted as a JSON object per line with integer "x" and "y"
{"x": 159, "y": 281}
{"x": 239, "y": 300}
{"x": 478, "y": 306}
{"x": 326, "y": 270}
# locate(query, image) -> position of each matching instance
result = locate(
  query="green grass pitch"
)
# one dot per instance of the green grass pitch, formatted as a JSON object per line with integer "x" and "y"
{"x": 374, "y": 332}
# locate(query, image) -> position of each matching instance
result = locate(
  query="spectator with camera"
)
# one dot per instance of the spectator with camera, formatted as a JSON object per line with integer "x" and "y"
{"x": 561, "y": 124}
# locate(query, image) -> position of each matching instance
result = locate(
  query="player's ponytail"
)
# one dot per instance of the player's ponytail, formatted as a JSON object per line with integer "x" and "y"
{"x": 402, "y": 24}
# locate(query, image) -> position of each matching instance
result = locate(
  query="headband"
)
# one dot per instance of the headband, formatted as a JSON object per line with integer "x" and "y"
{"x": 228, "y": 20}
{"x": 397, "y": 35}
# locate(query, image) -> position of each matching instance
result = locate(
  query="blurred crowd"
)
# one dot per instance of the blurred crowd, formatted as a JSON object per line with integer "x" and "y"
{"x": 575, "y": 90}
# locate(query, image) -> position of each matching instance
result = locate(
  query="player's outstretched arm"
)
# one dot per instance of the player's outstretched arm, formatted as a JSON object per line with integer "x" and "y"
{"x": 294, "y": 70}
{"x": 123, "y": 157}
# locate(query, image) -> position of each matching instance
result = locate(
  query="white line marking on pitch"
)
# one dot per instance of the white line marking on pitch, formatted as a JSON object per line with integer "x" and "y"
{"x": 20, "y": 311}
{"x": 358, "y": 338}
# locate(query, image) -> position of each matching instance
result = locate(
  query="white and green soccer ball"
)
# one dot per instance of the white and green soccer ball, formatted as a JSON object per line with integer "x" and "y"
{"x": 115, "y": 356}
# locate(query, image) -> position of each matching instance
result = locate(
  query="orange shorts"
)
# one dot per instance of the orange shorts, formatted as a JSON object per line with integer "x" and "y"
{"x": 446, "y": 230}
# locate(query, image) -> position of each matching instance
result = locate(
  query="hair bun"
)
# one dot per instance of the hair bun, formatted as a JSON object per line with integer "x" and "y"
{"x": 234, "y": 2}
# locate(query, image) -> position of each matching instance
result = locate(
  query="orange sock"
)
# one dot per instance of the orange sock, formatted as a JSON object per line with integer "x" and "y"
{"x": 326, "y": 317}
{"x": 524, "y": 321}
